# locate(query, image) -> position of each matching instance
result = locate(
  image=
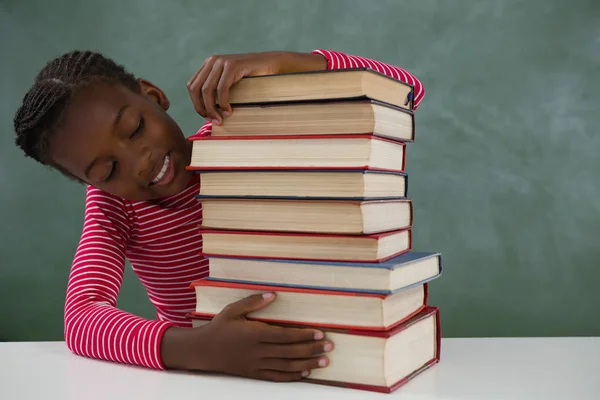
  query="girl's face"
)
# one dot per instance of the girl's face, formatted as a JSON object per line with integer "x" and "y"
{"x": 123, "y": 142}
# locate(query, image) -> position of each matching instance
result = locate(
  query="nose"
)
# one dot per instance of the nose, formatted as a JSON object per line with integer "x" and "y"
{"x": 143, "y": 165}
{"x": 137, "y": 160}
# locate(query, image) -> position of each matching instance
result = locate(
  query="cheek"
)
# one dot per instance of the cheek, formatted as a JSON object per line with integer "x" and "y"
{"x": 68, "y": 159}
{"x": 169, "y": 128}
{"x": 159, "y": 132}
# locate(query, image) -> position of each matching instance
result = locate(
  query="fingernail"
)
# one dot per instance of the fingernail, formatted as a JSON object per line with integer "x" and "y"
{"x": 319, "y": 335}
{"x": 215, "y": 122}
{"x": 328, "y": 347}
{"x": 305, "y": 374}
{"x": 322, "y": 362}
{"x": 267, "y": 295}
{"x": 226, "y": 113}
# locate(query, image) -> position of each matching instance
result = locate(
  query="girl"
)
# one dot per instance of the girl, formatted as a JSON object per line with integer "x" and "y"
{"x": 95, "y": 122}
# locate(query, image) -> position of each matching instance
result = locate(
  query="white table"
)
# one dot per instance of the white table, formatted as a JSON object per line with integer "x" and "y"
{"x": 474, "y": 369}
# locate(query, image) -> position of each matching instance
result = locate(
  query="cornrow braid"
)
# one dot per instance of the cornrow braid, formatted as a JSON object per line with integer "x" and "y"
{"x": 44, "y": 104}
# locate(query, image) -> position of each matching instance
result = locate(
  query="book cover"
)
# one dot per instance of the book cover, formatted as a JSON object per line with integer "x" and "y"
{"x": 194, "y": 138}
{"x": 423, "y": 314}
{"x": 286, "y": 170}
{"x": 367, "y": 100}
{"x": 265, "y": 288}
{"x": 375, "y": 236}
{"x": 397, "y": 262}
{"x": 407, "y": 102}
{"x": 426, "y": 312}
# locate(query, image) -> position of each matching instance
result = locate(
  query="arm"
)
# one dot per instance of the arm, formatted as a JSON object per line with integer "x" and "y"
{"x": 336, "y": 60}
{"x": 94, "y": 327}
{"x": 209, "y": 86}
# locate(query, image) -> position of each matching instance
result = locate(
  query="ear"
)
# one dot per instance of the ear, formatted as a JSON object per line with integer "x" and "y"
{"x": 154, "y": 92}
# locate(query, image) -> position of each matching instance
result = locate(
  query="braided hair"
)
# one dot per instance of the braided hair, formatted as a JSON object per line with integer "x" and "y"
{"x": 45, "y": 103}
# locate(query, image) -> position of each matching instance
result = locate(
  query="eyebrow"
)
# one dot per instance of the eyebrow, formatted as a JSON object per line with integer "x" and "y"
{"x": 114, "y": 125}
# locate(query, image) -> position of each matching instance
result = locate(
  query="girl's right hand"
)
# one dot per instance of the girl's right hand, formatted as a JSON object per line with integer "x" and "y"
{"x": 233, "y": 345}
{"x": 209, "y": 86}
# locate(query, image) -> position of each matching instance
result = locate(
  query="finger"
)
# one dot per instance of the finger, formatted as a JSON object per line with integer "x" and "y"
{"x": 208, "y": 92}
{"x": 298, "y": 350}
{"x": 275, "y": 334}
{"x": 247, "y": 305}
{"x": 286, "y": 365}
{"x": 209, "y": 60}
{"x": 228, "y": 78}
{"x": 195, "y": 85}
{"x": 279, "y": 376}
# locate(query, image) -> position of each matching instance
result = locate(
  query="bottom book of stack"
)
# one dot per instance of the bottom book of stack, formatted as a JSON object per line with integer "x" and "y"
{"x": 379, "y": 361}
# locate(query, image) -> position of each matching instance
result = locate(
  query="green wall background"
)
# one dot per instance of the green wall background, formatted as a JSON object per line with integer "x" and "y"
{"x": 503, "y": 174}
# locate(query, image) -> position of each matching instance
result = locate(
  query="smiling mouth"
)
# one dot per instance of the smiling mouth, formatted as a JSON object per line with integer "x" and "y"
{"x": 164, "y": 172}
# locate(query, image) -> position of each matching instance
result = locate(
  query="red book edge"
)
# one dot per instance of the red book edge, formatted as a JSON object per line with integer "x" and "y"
{"x": 426, "y": 312}
{"x": 345, "y": 328}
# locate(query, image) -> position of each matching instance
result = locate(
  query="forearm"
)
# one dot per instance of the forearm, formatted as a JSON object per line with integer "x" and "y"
{"x": 104, "y": 332}
{"x": 300, "y": 62}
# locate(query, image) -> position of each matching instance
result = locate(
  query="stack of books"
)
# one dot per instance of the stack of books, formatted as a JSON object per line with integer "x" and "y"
{"x": 304, "y": 194}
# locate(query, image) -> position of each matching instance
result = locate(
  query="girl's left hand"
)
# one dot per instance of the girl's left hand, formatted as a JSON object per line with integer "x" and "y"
{"x": 210, "y": 85}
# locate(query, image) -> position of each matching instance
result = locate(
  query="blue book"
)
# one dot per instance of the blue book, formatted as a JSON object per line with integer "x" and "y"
{"x": 399, "y": 273}
{"x": 360, "y": 184}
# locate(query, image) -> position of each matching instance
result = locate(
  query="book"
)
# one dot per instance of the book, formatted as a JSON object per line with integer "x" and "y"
{"x": 306, "y": 246}
{"x": 297, "y": 152}
{"x": 303, "y": 184}
{"x": 310, "y": 216}
{"x": 345, "y": 117}
{"x": 375, "y": 361}
{"x": 348, "y": 83}
{"x": 314, "y": 307}
{"x": 406, "y": 270}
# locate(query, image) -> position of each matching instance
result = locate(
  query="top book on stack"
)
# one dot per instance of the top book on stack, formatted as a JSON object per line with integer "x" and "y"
{"x": 341, "y": 84}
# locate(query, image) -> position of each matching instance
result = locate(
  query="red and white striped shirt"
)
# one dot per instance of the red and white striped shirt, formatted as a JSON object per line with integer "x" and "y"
{"x": 161, "y": 241}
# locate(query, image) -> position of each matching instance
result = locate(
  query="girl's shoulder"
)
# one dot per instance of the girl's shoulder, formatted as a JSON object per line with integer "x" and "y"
{"x": 92, "y": 191}
{"x": 99, "y": 199}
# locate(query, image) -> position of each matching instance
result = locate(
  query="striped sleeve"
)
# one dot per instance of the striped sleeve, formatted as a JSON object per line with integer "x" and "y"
{"x": 336, "y": 60}
{"x": 93, "y": 326}
{"x": 205, "y": 130}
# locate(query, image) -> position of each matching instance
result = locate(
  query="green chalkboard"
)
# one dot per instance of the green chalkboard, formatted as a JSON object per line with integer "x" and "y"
{"x": 503, "y": 172}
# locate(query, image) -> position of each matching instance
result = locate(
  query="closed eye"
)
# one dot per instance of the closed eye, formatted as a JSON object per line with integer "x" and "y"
{"x": 139, "y": 128}
{"x": 111, "y": 174}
